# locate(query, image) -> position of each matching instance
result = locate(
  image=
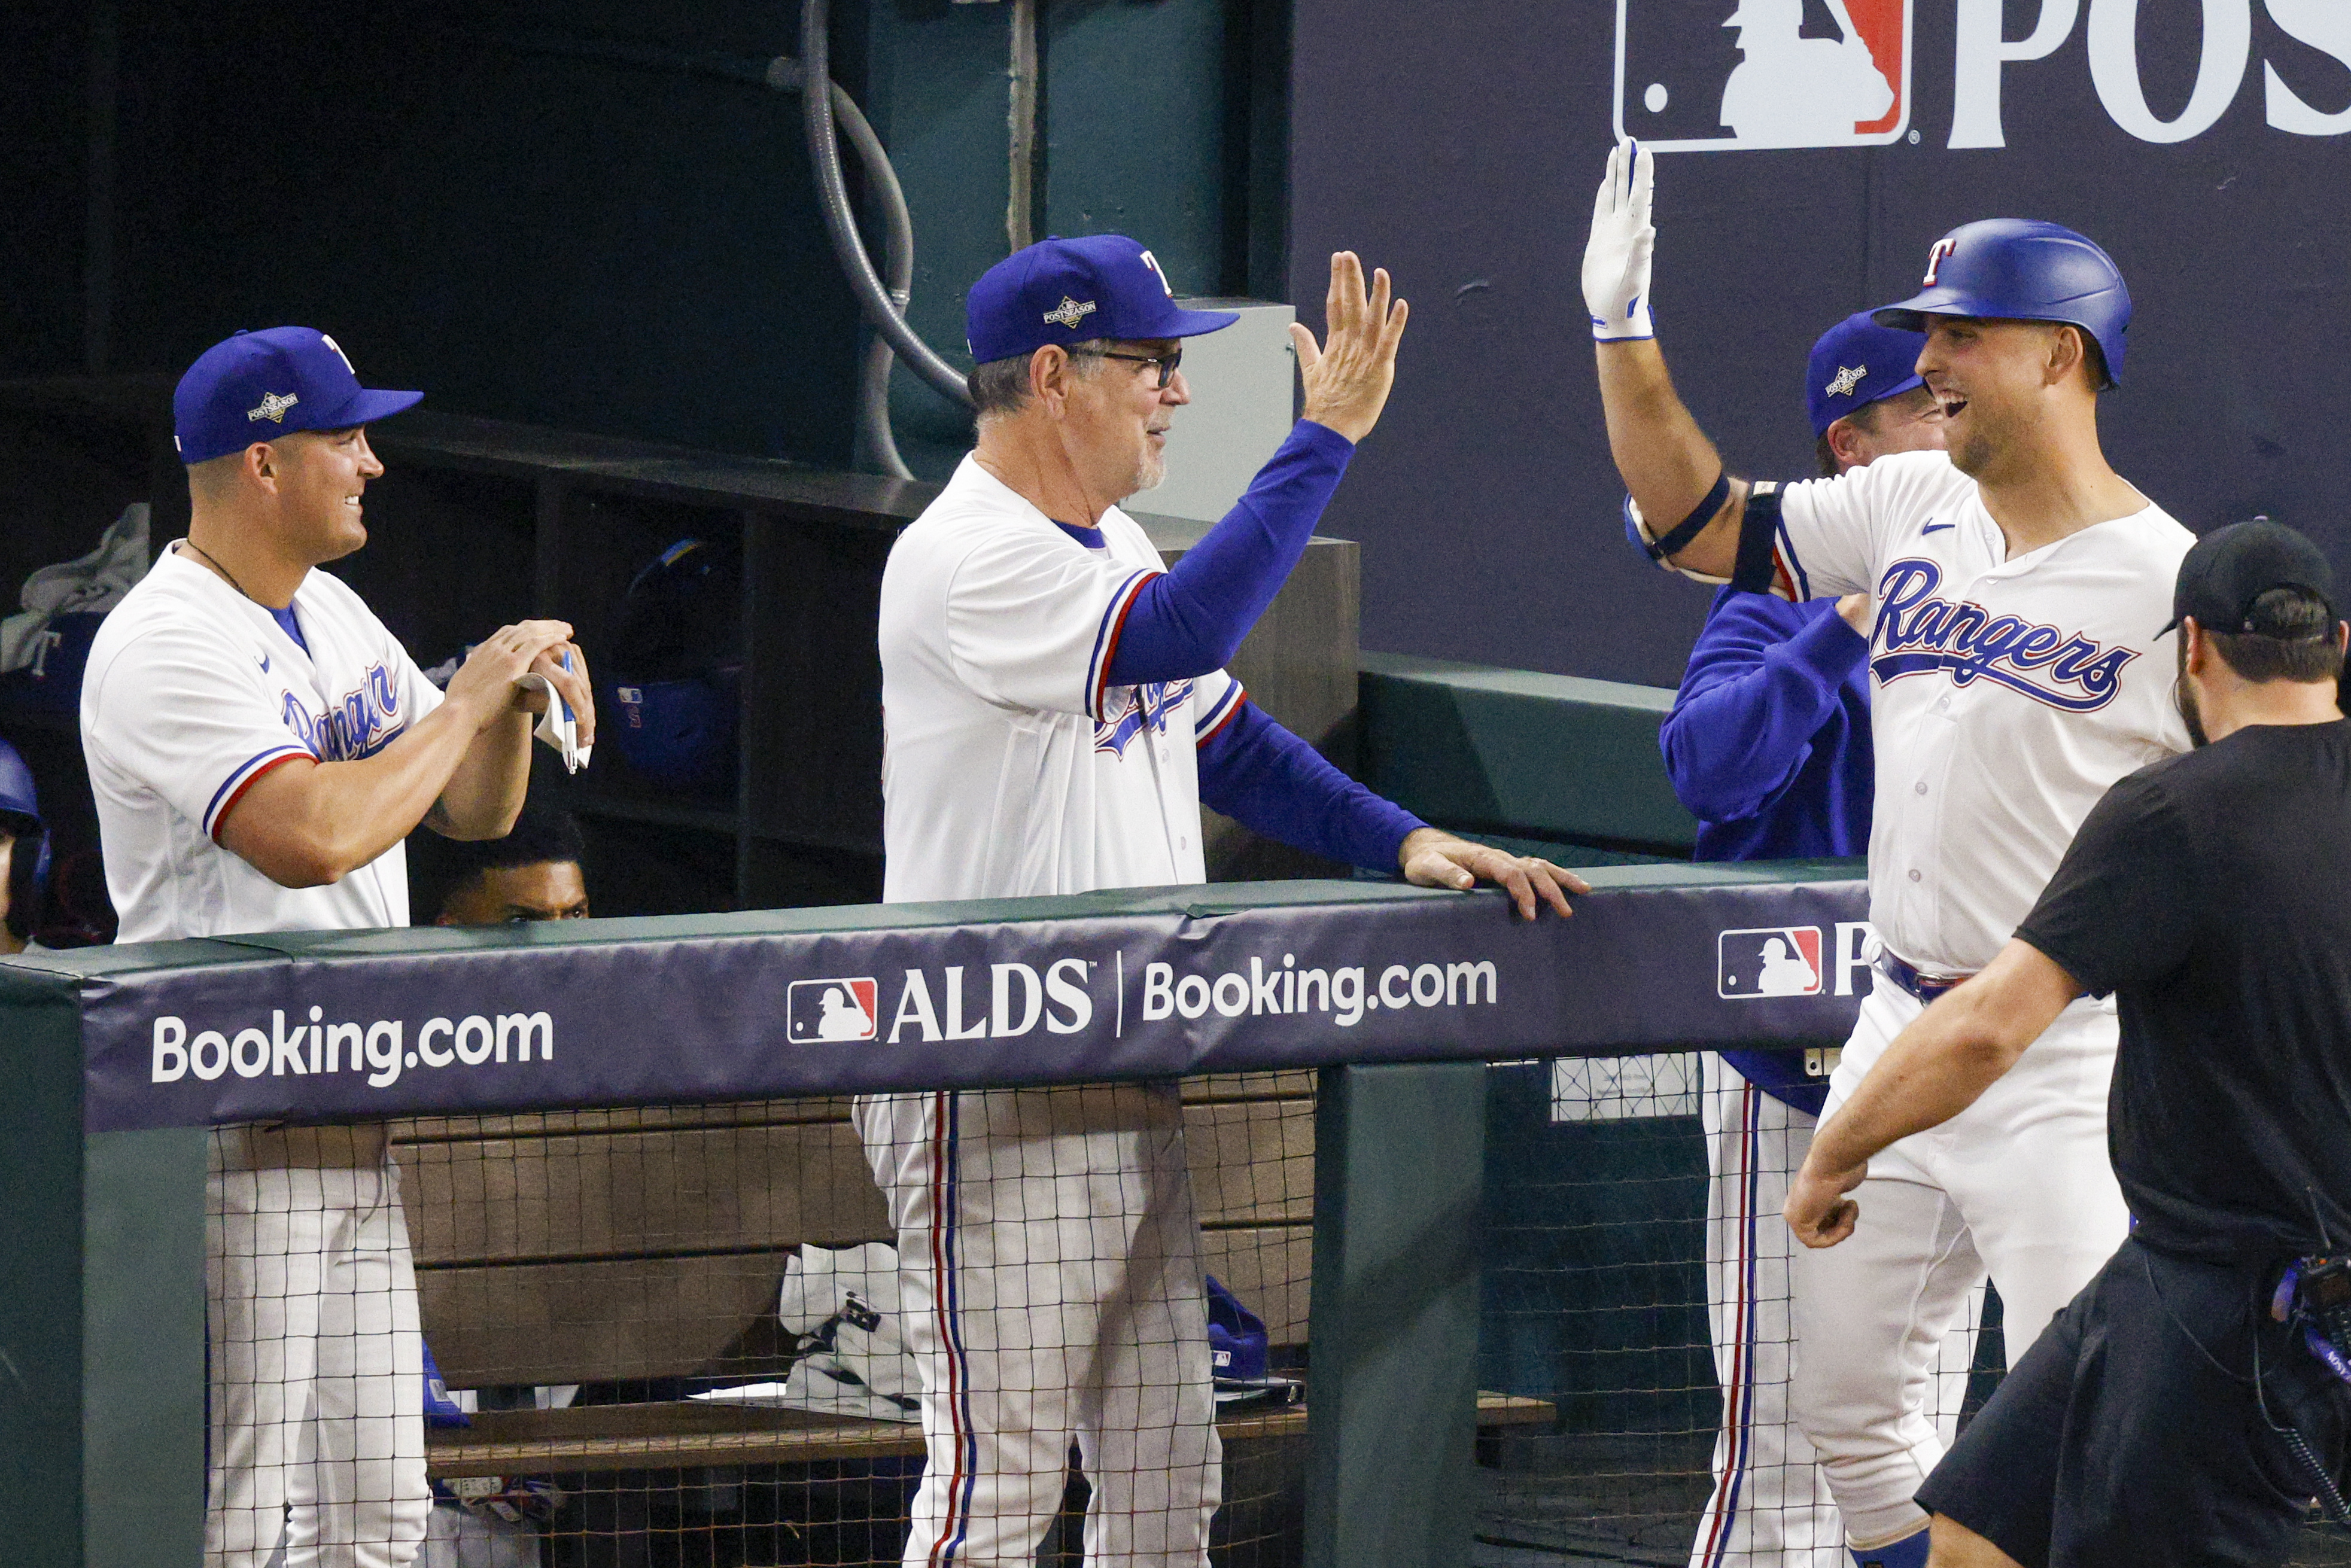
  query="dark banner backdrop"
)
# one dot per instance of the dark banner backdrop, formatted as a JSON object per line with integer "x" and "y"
{"x": 2205, "y": 143}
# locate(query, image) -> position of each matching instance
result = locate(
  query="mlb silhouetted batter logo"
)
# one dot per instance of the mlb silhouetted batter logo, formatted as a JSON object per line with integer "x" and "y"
{"x": 1728, "y": 74}
{"x": 823, "y": 1010}
{"x": 1774, "y": 961}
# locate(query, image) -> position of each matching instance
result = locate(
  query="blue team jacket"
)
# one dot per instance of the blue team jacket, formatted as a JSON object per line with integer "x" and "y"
{"x": 1768, "y": 746}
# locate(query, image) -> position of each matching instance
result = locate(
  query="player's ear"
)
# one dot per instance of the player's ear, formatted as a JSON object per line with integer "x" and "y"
{"x": 1844, "y": 442}
{"x": 261, "y": 466}
{"x": 2066, "y": 354}
{"x": 1049, "y": 378}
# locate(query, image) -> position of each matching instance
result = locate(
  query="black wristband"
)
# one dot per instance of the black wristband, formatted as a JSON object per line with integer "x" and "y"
{"x": 1756, "y": 567}
{"x": 1689, "y": 527}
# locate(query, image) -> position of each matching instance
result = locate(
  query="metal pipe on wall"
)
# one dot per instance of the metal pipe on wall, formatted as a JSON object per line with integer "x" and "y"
{"x": 876, "y": 443}
{"x": 104, "y": 99}
{"x": 840, "y": 219}
{"x": 1020, "y": 202}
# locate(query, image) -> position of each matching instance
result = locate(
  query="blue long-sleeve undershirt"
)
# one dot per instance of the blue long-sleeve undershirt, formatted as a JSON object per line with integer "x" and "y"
{"x": 1768, "y": 744}
{"x": 1271, "y": 782}
{"x": 1189, "y": 620}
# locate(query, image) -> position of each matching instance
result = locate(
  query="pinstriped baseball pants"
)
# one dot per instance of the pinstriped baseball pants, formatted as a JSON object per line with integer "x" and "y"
{"x": 1052, "y": 1293}
{"x": 2018, "y": 1184}
{"x": 1771, "y": 1505}
{"x": 316, "y": 1375}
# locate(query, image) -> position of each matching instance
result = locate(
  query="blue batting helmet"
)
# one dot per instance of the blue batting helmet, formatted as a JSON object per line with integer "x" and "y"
{"x": 2018, "y": 269}
{"x": 675, "y": 665}
{"x": 20, "y": 812}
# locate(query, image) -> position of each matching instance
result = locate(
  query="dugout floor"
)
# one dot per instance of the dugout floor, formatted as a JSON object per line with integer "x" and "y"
{"x": 1604, "y": 1503}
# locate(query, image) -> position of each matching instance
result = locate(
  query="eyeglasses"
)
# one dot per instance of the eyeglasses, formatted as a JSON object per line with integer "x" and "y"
{"x": 1168, "y": 362}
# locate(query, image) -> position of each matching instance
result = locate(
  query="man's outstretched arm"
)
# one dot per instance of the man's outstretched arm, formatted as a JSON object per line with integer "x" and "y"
{"x": 1669, "y": 466}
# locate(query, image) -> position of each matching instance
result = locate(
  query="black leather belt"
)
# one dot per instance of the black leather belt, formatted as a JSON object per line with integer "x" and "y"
{"x": 1924, "y": 986}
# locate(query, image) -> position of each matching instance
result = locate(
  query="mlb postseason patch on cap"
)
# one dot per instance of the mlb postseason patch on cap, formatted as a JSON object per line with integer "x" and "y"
{"x": 1070, "y": 291}
{"x": 257, "y": 386}
{"x": 1857, "y": 362}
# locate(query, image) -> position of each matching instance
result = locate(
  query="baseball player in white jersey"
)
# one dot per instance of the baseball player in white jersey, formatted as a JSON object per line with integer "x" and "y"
{"x": 1057, "y": 712}
{"x": 259, "y": 745}
{"x": 2014, "y": 678}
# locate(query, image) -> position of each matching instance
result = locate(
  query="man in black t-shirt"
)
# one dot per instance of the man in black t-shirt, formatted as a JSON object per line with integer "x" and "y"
{"x": 2169, "y": 1415}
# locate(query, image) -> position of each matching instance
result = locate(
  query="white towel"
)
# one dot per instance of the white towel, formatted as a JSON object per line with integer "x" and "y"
{"x": 94, "y": 582}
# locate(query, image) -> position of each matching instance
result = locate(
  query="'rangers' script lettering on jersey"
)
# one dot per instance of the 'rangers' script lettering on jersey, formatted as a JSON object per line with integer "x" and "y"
{"x": 365, "y": 722}
{"x": 1128, "y": 711}
{"x": 1920, "y": 633}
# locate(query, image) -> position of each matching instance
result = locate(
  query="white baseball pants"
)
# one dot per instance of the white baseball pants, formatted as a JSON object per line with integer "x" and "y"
{"x": 2018, "y": 1183}
{"x": 1770, "y": 1506}
{"x": 317, "y": 1370}
{"x": 1051, "y": 1292}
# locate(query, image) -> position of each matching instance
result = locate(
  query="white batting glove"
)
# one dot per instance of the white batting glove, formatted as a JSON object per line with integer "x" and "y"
{"x": 1616, "y": 257}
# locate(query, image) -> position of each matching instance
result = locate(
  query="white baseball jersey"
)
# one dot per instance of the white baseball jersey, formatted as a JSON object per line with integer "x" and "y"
{"x": 2008, "y": 695}
{"x": 193, "y": 691}
{"x": 1011, "y": 766}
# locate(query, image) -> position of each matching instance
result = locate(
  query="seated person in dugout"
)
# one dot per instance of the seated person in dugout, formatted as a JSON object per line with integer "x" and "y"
{"x": 2193, "y": 1399}
{"x": 24, "y": 850}
{"x": 1056, "y": 712}
{"x": 532, "y": 874}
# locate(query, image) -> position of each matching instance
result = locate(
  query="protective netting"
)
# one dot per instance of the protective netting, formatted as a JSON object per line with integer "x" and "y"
{"x": 1635, "y": 1266}
{"x": 682, "y": 1335}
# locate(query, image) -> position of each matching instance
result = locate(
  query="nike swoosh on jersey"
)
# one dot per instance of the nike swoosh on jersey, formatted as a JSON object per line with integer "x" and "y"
{"x": 1935, "y": 528}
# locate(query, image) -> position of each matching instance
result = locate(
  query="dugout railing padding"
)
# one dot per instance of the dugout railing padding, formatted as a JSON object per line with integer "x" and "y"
{"x": 119, "y": 1058}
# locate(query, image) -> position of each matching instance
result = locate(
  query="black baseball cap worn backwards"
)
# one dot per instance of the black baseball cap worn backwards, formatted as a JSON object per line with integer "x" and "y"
{"x": 2230, "y": 568}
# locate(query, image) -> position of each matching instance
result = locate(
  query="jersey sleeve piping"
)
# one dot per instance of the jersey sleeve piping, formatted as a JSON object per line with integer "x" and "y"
{"x": 234, "y": 786}
{"x": 1106, "y": 636}
{"x": 1791, "y": 569}
{"x": 1215, "y": 720}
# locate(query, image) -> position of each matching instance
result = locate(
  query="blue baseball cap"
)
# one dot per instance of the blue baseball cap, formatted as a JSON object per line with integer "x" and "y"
{"x": 1857, "y": 362}
{"x": 1068, "y": 291}
{"x": 257, "y": 386}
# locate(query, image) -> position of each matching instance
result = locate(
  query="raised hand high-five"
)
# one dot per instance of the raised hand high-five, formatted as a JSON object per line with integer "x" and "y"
{"x": 1348, "y": 376}
{"x": 1616, "y": 257}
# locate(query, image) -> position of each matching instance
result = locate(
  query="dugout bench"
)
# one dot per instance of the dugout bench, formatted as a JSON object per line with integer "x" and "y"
{"x": 119, "y": 1058}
